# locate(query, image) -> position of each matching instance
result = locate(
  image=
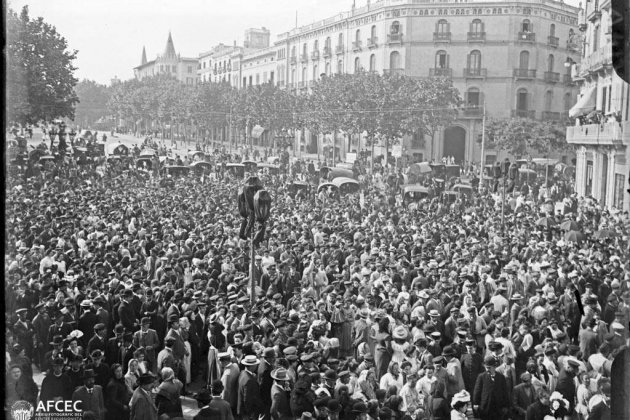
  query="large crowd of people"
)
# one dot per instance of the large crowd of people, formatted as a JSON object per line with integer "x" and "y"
{"x": 126, "y": 293}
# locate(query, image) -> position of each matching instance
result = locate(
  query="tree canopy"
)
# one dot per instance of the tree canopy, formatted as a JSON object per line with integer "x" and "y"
{"x": 520, "y": 136}
{"x": 40, "y": 80}
{"x": 92, "y": 105}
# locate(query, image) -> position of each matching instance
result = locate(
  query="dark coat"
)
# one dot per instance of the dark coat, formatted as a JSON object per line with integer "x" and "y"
{"x": 472, "y": 366}
{"x": 491, "y": 396}
{"x": 537, "y": 411}
{"x": 249, "y": 398}
{"x": 280, "y": 405}
{"x": 266, "y": 382}
{"x": 520, "y": 401}
{"x": 218, "y": 409}
{"x": 94, "y": 343}
{"x": 112, "y": 351}
{"x": 117, "y": 397}
{"x": 566, "y": 386}
{"x": 127, "y": 316}
{"x": 600, "y": 412}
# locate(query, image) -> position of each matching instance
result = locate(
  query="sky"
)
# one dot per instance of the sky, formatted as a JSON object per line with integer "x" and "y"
{"x": 109, "y": 34}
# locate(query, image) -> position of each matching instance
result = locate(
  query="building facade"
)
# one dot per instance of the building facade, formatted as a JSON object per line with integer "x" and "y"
{"x": 183, "y": 69}
{"x": 509, "y": 55}
{"x": 603, "y": 157}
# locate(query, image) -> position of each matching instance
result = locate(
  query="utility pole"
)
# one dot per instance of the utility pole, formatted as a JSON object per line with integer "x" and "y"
{"x": 483, "y": 146}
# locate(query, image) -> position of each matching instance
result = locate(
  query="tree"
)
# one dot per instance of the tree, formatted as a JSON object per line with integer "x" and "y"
{"x": 40, "y": 80}
{"x": 521, "y": 136}
{"x": 93, "y": 99}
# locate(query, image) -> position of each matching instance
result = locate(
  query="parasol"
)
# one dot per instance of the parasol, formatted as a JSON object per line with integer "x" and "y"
{"x": 574, "y": 236}
{"x": 569, "y": 225}
{"x": 605, "y": 234}
{"x": 546, "y": 222}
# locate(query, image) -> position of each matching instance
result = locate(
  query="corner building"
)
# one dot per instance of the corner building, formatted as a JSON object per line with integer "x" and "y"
{"x": 508, "y": 54}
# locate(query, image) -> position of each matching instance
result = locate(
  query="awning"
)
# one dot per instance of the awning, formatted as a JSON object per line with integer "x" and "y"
{"x": 585, "y": 104}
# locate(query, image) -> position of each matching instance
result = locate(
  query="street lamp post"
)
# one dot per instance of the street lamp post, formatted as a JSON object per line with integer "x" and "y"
{"x": 254, "y": 205}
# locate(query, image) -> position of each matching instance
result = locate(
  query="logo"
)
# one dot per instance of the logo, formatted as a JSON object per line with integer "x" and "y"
{"x": 22, "y": 410}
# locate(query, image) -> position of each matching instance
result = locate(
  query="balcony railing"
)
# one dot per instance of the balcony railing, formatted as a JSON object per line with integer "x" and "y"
{"x": 304, "y": 58}
{"x": 394, "y": 71}
{"x": 524, "y": 73}
{"x": 567, "y": 79}
{"x": 473, "y": 110}
{"x": 394, "y": 39}
{"x": 474, "y": 73}
{"x": 356, "y": 46}
{"x": 527, "y": 36}
{"x": 598, "y": 60}
{"x": 595, "y": 15}
{"x": 476, "y": 36}
{"x": 441, "y": 72}
{"x": 523, "y": 113}
{"x": 327, "y": 52}
{"x": 550, "y": 116}
{"x": 441, "y": 36}
{"x": 293, "y": 59}
{"x": 552, "y": 77}
{"x": 339, "y": 49}
{"x": 315, "y": 55}
{"x": 372, "y": 42}
{"x": 596, "y": 134}
{"x": 553, "y": 41}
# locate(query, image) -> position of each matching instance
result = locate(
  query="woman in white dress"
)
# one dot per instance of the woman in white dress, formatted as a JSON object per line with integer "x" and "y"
{"x": 184, "y": 326}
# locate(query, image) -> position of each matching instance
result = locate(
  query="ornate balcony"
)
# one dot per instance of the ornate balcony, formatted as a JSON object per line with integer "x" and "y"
{"x": 476, "y": 36}
{"x": 523, "y": 113}
{"x": 524, "y": 73}
{"x": 293, "y": 59}
{"x": 315, "y": 55}
{"x": 526, "y": 37}
{"x": 304, "y": 58}
{"x": 610, "y": 134}
{"x": 441, "y": 37}
{"x": 327, "y": 52}
{"x": 356, "y": 46}
{"x": 441, "y": 72}
{"x": 372, "y": 42}
{"x": 567, "y": 79}
{"x": 339, "y": 50}
{"x": 553, "y": 41}
{"x": 552, "y": 77}
{"x": 474, "y": 111}
{"x": 475, "y": 73}
{"x": 394, "y": 39}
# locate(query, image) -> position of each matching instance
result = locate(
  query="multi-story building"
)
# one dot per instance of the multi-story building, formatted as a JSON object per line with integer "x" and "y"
{"x": 508, "y": 55}
{"x": 183, "y": 69}
{"x": 603, "y": 147}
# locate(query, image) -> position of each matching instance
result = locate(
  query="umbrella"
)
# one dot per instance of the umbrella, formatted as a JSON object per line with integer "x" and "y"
{"x": 546, "y": 222}
{"x": 569, "y": 225}
{"x": 420, "y": 168}
{"x": 605, "y": 234}
{"x": 574, "y": 236}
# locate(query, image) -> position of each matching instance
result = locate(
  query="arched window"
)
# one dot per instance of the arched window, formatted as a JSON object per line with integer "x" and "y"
{"x": 474, "y": 60}
{"x": 395, "y": 28}
{"x": 293, "y": 51}
{"x": 373, "y": 32}
{"x": 394, "y": 60}
{"x": 522, "y": 100}
{"x": 357, "y": 65}
{"x": 328, "y": 43}
{"x": 304, "y": 75}
{"x": 524, "y": 60}
{"x": 340, "y": 40}
{"x": 339, "y": 66}
{"x": 476, "y": 26}
{"x": 357, "y": 35}
{"x": 567, "y": 102}
{"x": 373, "y": 62}
{"x": 550, "y": 63}
{"x": 292, "y": 76}
{"x": 552, "y": 30}
{"x": 526, "y": 26}
{"x": 304, "y": 49}
{"x": 316, "y": 45}
{"x": 441, "y": 60}
{"x": 473, "y": 97}
{"x": 442, "y": 26}
{"x": 548, "y": 100}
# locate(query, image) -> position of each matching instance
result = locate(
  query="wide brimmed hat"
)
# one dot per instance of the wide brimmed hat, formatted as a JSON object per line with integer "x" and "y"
{"x": 250, "y": 360}
{"x": 146, "y": 378}
{"x": 280, "y": 374}
{"x": 400, "y": 333}
{"x": 462, "y": 396}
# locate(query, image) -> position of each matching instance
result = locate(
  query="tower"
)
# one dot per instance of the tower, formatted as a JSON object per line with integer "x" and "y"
{"x": 143, "y": 61}
{"x": 169, "y": 50}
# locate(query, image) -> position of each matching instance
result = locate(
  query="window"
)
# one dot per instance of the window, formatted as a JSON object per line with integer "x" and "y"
{"x": 315, "y": 45}
{"x": 328, "y": 43}
{"x": 189, "y": 69}
{"x": 373, "y": 32}
{"x": 340, "y": 40}
{"x": 315, "y": 72}
{"x": 521, "y": 100}
{"x": 304, "y": 75}
{"x": 474, "y": 60}
{"x": 339, "y": 67}
{"x": 271, "y": 78}
{"x": 244, "y": 82}
{"x": 394, "y": 60}
{"x": 304, "y": 49}
{"x": 357, "y": 65}
{"x": 293, "y": 52}
{"x": 524, "y": 60}
{"x": 473, "y": 97}
{"x": 526, "y": 26}
{"x": 596, "y": 30}
{"x": 357, "y": 35}
{"x": 372, "y": 62}
{"x": 327, "y": 69}
{"x": 552, "y": 30}
{"x": 619, "y": 192}
{"x": 204, "y": 64}
{"x": 476, "y": 26}
{"x": 264, "y": 79}
{"x": 550, "y": 62}
{"x": 417, "y": 140}
{"x": 442, "y": 26}
{"x": 251, "y": 80}
{"x": 441, "y": 60}
{"x": 603, "y": 104}
{"x": 548, "y": 100}
{"x": 395, "y": 28}
{"x": 293, "y": 76}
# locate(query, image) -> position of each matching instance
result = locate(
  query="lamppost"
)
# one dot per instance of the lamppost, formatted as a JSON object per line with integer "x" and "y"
{"x": 254, "y": 205}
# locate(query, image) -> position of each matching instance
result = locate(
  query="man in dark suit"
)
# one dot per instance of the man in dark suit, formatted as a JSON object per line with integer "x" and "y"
{"x": 102, "y": 313}
{"x": 539, "y": 409}
{"x": 141, "y": 406}
{"x": 112, "y": 348}
{"x": 264, "y": 377}
{"x": 97, "y": 342}
{"x": 126, "y": 313}
{"x": 90, "y": 396}
{"x": 472, "y": 365}
{"x": 60, "y": 327}
{"x": 250, "y": 404}
{"x": 280, "y": 395}
{"x": 523, "y": 396}
{"x": 148, "y": 339}
{"x": 215, "y": 408}
{"x": 87, "y": 321}
{"x": 126, "y": 351}
{"x": 566, "y": 383}
{"x": 602, "y": 410}
{"x": 490, "y": 396}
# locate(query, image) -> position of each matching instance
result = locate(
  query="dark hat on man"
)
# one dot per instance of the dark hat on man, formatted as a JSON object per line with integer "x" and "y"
{"x": 146, "y": 378}
{"x": 491, "y": 361}
{"x": 448, "y": 351}
{"x": 88, "y": 373}
{"x": 359, "y": 407}
{"x": 145, "y": 320}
